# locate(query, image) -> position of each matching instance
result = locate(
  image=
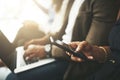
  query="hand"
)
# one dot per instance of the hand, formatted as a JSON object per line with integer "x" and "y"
{"x": 33, "y": 41}
{"x": 34, "y": 51}
{"x": 83, "y": 47}
{"x": 92, "y": 52}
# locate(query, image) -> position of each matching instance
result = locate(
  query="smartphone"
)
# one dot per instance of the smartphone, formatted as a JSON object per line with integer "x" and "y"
{"x": 67, "y": 48}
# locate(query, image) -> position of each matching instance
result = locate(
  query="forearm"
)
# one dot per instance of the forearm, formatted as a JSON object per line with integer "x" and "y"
{"x": 103, "y": 20}
{"x": 98, "y": 33}
{"x": 42, "y": 41}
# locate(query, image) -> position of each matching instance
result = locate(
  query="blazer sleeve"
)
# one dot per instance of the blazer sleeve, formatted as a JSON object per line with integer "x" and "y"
{"x": 103, "y": 19}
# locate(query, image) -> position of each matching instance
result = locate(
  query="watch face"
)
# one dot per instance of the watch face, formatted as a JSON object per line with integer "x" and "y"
{"x": 47, "y": 48}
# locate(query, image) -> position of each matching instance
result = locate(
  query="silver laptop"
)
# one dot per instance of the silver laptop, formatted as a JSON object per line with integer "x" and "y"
{"x": 13, "y": 57}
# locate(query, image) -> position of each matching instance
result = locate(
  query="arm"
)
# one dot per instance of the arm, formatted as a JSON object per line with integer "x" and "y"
{"x": 92, "y": 52}
{"x": 104, "y": 17}
{"x": 40, "y": 41}
{"x": 102, "y": 21}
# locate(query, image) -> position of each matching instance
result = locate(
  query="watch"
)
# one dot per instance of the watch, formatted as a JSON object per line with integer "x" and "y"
{"x": 48, "y": 49}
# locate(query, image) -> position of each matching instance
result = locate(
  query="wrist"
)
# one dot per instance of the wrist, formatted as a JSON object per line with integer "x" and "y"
{"x": 105, "y": 53}
{"x": 100, "y": 53}
{"x": 48, "y": 49}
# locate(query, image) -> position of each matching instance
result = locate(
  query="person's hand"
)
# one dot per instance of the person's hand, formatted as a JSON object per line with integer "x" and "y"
{"x": 33, "y": 41}
{"x": 90, "y": 51}
{"x": 40, "y": 41}
{"x": 79, "y": 47}
{"x": 34, "y": 51}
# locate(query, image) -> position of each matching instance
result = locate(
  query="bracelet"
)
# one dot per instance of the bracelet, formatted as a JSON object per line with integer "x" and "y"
{"x": 105, "y": 51}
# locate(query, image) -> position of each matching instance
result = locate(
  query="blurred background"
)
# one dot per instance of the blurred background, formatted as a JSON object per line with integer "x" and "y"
{"x": 13, "y": 13}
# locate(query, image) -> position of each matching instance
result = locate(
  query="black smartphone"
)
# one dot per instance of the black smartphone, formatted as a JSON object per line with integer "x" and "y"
{"x": 67, "y": 48}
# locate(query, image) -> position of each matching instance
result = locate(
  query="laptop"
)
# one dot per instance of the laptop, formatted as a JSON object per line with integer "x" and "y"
{"x": 13, "y": 57}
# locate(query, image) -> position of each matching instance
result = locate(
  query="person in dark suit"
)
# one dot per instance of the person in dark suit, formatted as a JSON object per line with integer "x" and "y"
{"x": 93, "y": 23}
{"x": 108, "y": 55}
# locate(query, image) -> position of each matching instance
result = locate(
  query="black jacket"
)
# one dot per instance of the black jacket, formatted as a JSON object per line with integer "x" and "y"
{"x": 94, "y": 22}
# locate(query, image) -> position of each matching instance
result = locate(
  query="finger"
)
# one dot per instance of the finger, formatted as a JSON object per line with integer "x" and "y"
{"x": 28, "y": 52}
{"x": 30, "y": 57}
{"x": 31, "y": 46}
{"x": 81, "y": 46}
{"x": 78, "y": 48}
{"x": 73, "y": 44}
{"x": 30, "y": 49}
{"x": 27, "y": 56}
{"x": 68, "y": 53}
{"x": 90, "y": 57}
{"x": 76, "y": 59}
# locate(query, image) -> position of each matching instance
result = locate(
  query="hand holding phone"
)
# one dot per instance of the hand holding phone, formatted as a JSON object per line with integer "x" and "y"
{"x": 67, "y": 48}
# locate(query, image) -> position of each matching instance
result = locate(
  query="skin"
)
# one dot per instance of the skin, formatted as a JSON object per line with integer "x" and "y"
{"x": 34, "y": 51}
{"x": 92, "y": 52}
{"x": 81, "y": 47}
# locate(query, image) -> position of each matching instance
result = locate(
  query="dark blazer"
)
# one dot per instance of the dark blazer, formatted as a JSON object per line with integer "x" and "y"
{"x": 95, "y": 20}
{"x": 93, "y": 24}
{"x": 111, "y": 68}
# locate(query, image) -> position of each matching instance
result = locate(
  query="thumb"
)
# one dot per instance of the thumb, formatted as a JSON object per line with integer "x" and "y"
{"x": 78, "y": 49}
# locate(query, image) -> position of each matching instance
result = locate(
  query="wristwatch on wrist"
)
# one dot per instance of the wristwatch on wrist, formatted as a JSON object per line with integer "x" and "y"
{"x": 48, "y": 49}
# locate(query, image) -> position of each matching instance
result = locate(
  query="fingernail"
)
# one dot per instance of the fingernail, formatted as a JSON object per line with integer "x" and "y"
{"x": 90, "y": 57}
{"x": 78, "y": 59}
{"x": 26, "y": 58}
{"x": 77, "y": 49}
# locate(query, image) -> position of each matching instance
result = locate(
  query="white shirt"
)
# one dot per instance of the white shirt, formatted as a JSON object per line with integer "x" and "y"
{"x": 59, "y": 18}
{"x": 71, "y": 21}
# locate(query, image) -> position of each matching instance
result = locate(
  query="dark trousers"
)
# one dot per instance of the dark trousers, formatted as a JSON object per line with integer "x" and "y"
{"x": 52, "y": 71}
